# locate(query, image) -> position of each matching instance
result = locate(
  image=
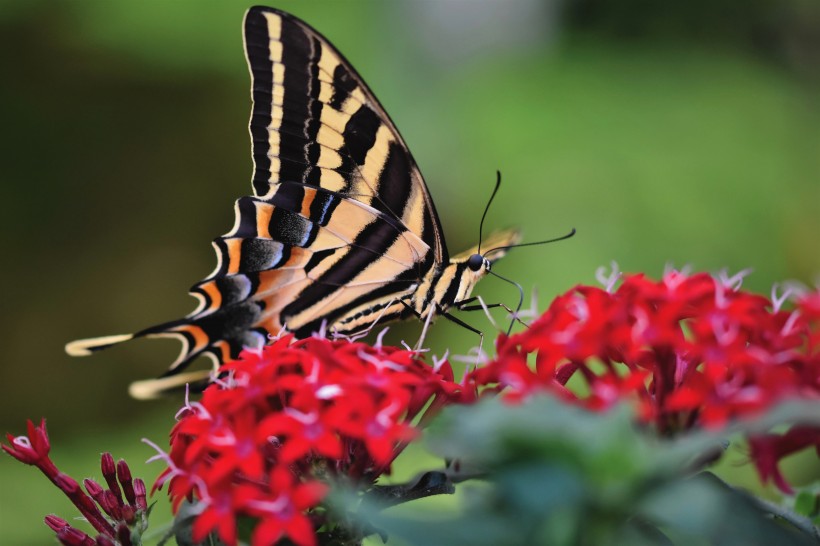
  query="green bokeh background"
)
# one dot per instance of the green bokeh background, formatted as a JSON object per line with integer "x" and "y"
{"x": 664, "y": 134}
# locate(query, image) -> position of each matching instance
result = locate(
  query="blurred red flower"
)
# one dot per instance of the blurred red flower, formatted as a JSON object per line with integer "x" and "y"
{"x": 692, "y": 350}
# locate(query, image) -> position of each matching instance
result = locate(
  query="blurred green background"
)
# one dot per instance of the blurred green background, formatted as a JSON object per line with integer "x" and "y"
{"x": 683, "y": 133}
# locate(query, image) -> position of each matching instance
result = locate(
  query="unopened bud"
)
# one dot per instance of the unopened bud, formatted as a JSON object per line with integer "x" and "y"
{"x": 103, "y": 540}
{"x": 140, "y": 492}
{"x": 111, "y": 505}
{"x": 109, "y": 472}
{"x": 128, "y": 514}
{"x": 55, "y": 523}
{"x": 66, "y": 483}
{"x": 124, "y": 535}
{"x": 124, "y": 475}
{"x": 70, "y": 536}
{"x": 94, "y": 489}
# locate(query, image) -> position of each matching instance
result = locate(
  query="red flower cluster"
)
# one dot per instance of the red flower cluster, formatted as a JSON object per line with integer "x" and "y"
{"x": 691, "y": 349}
{"x": 124, "y": 511}
{"x": 282, "y": 420}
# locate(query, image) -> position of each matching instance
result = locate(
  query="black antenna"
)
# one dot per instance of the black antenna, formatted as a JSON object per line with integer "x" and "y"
{"x": 561, "y": 238}
{"x": 481, "y": 225}
{"x": 520, "y": 297}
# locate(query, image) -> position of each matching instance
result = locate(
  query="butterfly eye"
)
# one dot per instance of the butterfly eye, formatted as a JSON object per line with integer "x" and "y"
{"x": 475, "y": 262}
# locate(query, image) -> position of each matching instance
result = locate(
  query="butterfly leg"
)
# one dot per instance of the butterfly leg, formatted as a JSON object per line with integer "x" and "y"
{"x": 430, "y": 312}
{"x": 464, "y": 305}
{"x": 427, "y": 321}
{"x": 438, "y": 310}
{"x": 463, "y": 324}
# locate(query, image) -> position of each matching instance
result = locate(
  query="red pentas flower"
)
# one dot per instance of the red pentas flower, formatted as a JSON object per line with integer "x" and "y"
{"x": 281, "y": 421}
{"x": 690, "y": 350}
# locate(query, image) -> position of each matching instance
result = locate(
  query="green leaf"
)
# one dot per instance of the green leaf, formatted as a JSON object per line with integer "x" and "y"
{"x": 559, "y": 475}
{"x": 704, "y": 507}
{"x": 805, "y": 503}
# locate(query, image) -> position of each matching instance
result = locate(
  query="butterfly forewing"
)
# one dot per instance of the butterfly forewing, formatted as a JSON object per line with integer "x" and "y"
{"x": 314, "y": 121}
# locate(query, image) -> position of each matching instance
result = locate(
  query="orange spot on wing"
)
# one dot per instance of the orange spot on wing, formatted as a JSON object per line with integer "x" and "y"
{"x": 224, "y": 350}
{"x": 234, "y": 255}
{"x": 263, "y": 214}
{"x": 307, "y": 201}
{"x": 198, "y": 334}
{"x": 214, "y": 295}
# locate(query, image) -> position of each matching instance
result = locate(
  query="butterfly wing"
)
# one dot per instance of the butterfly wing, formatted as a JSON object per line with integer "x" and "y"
{"x": 315, "y": 122}
{"x": 341, "y": 223}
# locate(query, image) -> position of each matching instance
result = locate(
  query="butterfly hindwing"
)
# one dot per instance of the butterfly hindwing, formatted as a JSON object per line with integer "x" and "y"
{"x": 297, "y": 257}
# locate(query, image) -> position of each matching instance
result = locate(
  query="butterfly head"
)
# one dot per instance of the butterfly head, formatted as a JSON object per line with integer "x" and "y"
{"x": 477, "y": 262}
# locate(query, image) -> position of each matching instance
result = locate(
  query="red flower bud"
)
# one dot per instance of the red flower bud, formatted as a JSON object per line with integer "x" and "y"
{"x": 70, "y": 536}
{"x": 124, "y": 476}
{"x": 55, "y": 523}
{"x": 124, "y": 535}
{"x": 127, "y": 514}
{"x": 103, "y": 540}
{"x": 140, "y": 493}
{"x": 111, "y": 505}
{"x": 94, "y": 489}
{"x": 109, "y": 472}
{"x": 68, "y": 484}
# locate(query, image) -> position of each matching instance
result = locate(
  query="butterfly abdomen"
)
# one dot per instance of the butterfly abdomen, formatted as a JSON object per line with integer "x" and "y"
{"x": 442, "y": 288}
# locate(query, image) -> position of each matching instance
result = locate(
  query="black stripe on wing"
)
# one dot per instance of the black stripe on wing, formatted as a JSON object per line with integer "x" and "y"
{"x": 301, "y": 98}
{"x": 261, "y": 67}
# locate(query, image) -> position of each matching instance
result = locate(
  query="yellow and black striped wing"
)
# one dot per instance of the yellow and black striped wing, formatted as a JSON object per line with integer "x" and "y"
{"x": 316, "y": 123}
{"x": 341, "y": 225}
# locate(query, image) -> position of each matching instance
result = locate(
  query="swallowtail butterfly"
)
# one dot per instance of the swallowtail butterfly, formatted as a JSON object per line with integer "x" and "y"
{"x": 341, "y": 228}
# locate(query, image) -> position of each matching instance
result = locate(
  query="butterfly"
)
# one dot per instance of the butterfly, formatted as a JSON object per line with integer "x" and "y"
{"x": 341, "y": 230}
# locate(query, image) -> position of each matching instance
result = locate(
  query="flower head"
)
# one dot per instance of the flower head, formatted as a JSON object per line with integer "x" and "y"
{"x": 32, "y": 449}
{"x": 688, "y": 350}
{"x": 281, "y": 421}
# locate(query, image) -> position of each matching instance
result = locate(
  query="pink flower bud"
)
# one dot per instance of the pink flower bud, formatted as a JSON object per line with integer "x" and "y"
{"x": 124, "y": 535}
{"x": 111, "y": 505}
{"x": 140, "y": 492}
{"x": 127, "y": 514}
{"x": 55, "y": 523}
{"x": 70, "y": 536}
{"x": 109, "y": 469}
{"x": 82, "y": 501}
{"x": 94, "y": 489}
{"x": 68, "y": 484}
{"x": 103, "y": 540}
{"x": 124, "y": 475}
{"x": 109, "y": 472}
